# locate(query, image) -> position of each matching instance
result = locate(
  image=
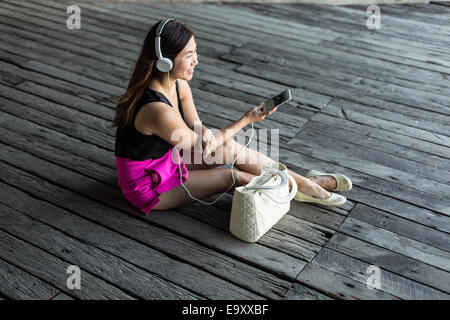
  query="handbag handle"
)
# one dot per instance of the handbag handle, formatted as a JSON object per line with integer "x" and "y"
{"x": 284, "y": 178}
{"x": 272, "y": 171}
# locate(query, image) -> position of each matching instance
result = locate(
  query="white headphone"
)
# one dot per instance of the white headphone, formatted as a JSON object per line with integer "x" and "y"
{"x": 163, "y": 64}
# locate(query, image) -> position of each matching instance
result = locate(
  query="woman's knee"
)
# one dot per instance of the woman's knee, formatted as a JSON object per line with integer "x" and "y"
{"x": 230, "y": 150}
{"x": 241, "y": 177}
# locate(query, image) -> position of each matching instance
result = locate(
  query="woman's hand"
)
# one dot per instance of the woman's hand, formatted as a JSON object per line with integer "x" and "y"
{"x": 209, "y": 142}
{"x": 257, "y": 113}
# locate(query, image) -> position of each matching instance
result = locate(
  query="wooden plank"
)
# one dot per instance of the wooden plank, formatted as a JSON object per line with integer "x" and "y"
{"x": 97, "y": 116}
{"x": 279, "y": 263}
{"x": 98, "y": 43}
{"x": 61, "y": 296}
{"x": 136, "y": 17}
{"x": 77, "y": 107}
{"x": 298, "y": 292}
{"x": 43, "y": 43}
{"x": 56, "y": 58}
{"x": 257, "y": 22}
{"x": 266, "y": 88}
{"x": 196, "y": 18}
{"x": 370, "y": 174}
{"x": 19, "y": 285}
{"x": 33, "y": 9}
{"x": 45, "y": 39}
{"x": 346, "y": 62}
{"x": 390, "y": 283}
{"x": 23, "y": 23}
{"x": 401, "y": 208}
{"x": 58, "y": 140}
{"x": 397, "y": 243}
{"x": 112, "y": 18}
{"x": 402, "y": 226}
{"x": 333, "y": 21}
{"x": 393, "y": 23}
{"x": 390, "y": 126}
{"x": 438, "y": 125}
{"x": 39, "y": 148}
{"x": 68, "y": 127}
{"x": 320, "y": 18}
{"x": 145, "y": 256}
{"x": 74, "y": 77}
{"x": 339, "y": 17}
{"x": 364, "y": 51}
{"x": 140, "y": 283}
{"x": 425, "y": 159}
{"x": 318, "y": 215}
{"x": 341, "y": 84}
{"x": 405, "y": 49}
{"x": 46, "y": 266}
{"x": 288, "y": 235}
{"x": 113, "y": 28}
{"x": 425, "y": 13}
{"x": 392, "y": 137}
{"x": 336, "y": 285}
{"x": 391, "y": 261}
{"x": 61, "y": 85}
{"x": 373, "y": 163}
{"x": 439, "y": 3}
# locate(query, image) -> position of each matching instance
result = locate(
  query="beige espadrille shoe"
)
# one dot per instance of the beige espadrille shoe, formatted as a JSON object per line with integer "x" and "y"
{"x": 334, "y": 200}
{"x": 343, "y": 182}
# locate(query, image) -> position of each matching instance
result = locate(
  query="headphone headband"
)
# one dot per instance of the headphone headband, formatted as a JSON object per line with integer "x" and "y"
{"x": 163, "y": 64}
{"x": 161, "y": 26}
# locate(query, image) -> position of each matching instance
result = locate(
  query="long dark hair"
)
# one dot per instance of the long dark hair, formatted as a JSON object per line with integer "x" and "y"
{"x": 174, "y": 38}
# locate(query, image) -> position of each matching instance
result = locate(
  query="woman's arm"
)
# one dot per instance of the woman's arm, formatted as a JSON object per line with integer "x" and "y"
{"x": 163, "y": 121}
{"x": 191, "y": 116}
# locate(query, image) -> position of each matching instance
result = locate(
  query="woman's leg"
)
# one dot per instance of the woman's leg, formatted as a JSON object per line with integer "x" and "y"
{"x": 252, "y": 161}
{"x": 202, "y": 184}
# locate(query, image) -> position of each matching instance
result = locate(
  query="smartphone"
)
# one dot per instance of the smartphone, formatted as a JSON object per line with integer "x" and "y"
{"x": 278, "y": 100}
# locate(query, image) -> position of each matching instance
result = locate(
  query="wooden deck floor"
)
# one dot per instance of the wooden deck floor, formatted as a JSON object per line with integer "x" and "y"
{"x": 373, "y": 105}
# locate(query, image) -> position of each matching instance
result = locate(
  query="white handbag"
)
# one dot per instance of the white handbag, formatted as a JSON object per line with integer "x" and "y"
{"x": 261, "y": 203}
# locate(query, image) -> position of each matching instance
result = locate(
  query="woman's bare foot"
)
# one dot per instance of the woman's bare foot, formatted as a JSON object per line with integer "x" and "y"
{"x": 326, "y": 182}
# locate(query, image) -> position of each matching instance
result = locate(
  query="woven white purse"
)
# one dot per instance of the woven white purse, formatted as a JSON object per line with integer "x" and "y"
{"x": 261, "y": 203}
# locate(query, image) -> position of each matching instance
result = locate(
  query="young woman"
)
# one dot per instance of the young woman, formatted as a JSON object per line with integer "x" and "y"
{"x": 156, "y": 104}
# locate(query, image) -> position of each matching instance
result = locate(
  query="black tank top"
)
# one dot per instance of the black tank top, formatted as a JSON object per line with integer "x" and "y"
{"x": 134, "y": 145}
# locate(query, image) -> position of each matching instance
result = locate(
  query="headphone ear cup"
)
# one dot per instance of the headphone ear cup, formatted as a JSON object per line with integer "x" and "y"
{"x": 164, "y": 64}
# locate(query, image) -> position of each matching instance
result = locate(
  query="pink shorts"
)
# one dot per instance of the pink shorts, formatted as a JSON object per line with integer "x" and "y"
{"x": 142, "y": 182}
